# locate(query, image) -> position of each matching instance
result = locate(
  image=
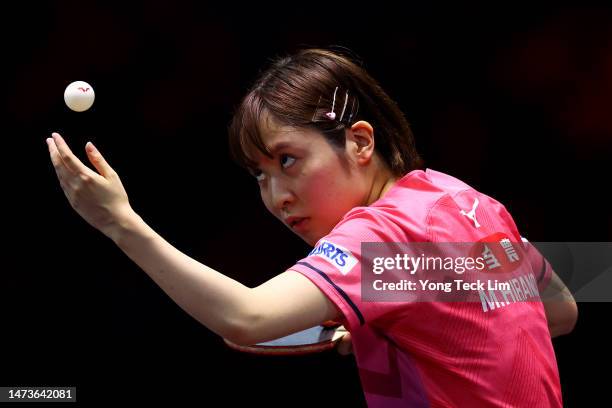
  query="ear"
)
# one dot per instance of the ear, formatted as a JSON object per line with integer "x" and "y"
{"x": 361, "y": 135}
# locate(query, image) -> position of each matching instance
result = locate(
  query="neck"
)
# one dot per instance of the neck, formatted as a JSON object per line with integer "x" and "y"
{"x": 380, "y": 186}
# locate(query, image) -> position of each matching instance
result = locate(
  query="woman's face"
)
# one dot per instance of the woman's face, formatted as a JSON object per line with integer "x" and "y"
{"x": 308, "y": 178}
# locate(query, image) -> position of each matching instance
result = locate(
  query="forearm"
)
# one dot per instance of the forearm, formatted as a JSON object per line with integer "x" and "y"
{"x": 559, "y": 330}
{"x": 560, "y": 307}
{"x": 561, "y": 316}
{"x": 215, "y": 300}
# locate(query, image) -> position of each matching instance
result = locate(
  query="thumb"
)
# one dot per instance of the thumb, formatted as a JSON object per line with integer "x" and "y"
{"x": 95, "y": 157}
{"x": 346, "y": 345}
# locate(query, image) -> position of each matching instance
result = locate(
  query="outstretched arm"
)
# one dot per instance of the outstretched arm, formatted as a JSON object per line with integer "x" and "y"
{"x": 283, "y": 305}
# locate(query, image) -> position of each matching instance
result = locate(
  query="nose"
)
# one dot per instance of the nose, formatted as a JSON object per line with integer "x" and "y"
{"x": 280, "y": 195}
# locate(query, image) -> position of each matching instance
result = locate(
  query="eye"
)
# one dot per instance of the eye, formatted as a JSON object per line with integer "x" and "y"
{"x": 283, "y": 156}
{"x": 258, "y": 174}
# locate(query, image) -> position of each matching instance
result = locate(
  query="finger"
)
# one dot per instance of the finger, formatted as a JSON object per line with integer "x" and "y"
{"x": 99, "y": 162}
{"x": 71, "y": 161}
{"x": 345, "y": 347}
{"x": 63, "y": 173}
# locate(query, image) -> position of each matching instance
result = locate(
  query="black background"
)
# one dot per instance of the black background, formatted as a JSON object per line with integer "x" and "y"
{"x": 515, "y": 101}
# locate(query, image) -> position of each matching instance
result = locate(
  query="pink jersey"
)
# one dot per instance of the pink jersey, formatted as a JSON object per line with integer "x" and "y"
{"x": 437, "y": 354}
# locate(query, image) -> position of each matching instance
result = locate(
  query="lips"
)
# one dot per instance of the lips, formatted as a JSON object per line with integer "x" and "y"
{"x": 296, "y": 222}
{"x": 300, "y": 224}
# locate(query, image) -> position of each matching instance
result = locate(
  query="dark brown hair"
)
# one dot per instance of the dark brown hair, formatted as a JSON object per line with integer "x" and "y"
{"x": 298, "y": 90}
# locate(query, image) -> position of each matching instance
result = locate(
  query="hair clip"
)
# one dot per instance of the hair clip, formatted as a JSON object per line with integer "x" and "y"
{"x": 344, "y": 108}
{"x": 332, "y": 115}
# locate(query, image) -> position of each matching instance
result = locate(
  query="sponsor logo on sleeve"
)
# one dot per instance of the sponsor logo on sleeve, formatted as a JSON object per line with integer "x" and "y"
{"x": 339, "y": 257}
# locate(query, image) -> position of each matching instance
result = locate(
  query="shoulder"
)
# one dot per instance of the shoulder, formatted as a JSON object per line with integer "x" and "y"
{"x": 425, "y": 206}
{"x": 405, "y": 210}
{"x": 464, "y": 213}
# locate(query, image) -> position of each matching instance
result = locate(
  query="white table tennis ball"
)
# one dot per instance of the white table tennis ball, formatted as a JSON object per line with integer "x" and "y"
{"x": 79, "y": 96}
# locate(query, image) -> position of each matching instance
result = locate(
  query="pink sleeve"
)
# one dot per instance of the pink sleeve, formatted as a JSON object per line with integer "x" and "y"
{"x": 540, "y": 266}
{"x": 334, "y": 264}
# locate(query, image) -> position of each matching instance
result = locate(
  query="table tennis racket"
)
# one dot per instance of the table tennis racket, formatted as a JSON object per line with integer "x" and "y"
{"x": 312, "y": 340}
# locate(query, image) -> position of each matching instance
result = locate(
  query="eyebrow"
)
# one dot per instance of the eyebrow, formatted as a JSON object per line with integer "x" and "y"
{"x": 279, "y": 146}
{"x": 275, "y": 148}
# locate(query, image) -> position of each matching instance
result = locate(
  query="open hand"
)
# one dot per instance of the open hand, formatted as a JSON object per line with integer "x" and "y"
{"x": 97, "y": 197}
